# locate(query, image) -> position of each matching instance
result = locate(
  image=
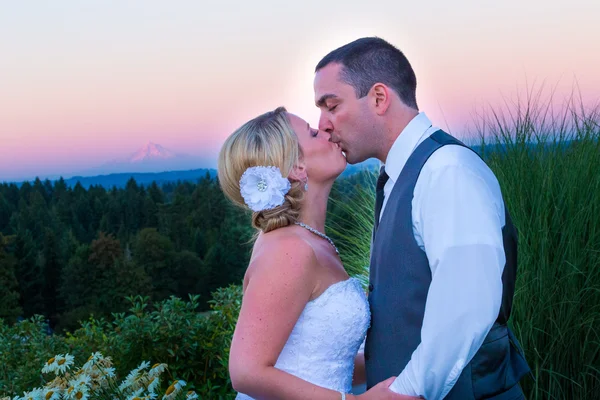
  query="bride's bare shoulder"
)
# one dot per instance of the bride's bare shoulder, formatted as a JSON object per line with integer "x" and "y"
{"x": 284, "y": 249}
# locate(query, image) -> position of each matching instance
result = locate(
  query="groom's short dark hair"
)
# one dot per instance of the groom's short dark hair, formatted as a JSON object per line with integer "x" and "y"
{"x": 369, "y": 60}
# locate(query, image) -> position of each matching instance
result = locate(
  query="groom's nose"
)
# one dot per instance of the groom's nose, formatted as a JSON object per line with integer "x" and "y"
{"x": 325, "y": 124}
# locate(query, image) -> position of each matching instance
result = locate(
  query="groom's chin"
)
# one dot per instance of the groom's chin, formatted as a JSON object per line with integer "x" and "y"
{"x": 351, "y": 161}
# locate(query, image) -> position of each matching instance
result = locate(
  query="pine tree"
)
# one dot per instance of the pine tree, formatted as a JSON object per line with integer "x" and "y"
{"x": 6, "y": 211}
{"x": 29, "y": 275}
{"x": 155, "y": 254}
{"x": 51, "y": 266}
{"x": 192, "y": 276}
{"x": 9, "y": 295}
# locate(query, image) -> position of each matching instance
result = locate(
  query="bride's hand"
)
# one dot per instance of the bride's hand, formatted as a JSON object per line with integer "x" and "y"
{"x": 382, "y": 391}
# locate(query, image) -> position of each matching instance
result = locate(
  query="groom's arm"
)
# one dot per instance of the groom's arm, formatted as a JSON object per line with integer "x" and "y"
{"x": 459, "y": 222}
{"x": 360, "y": 374}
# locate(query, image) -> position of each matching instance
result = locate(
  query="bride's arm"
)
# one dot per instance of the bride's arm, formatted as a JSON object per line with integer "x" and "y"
{"x": 280, "y": 285}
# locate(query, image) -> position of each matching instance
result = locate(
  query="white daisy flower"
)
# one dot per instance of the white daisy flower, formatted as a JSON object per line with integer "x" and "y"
{"x": 35, "y": 394}
{"x": 143, "y": 365}
{"x": 82, "y": 394}
{"x": 157, "y": 369}
{"x": 109, "y": 372}
{"x": 94, "y": 359}
{"x": 64, "y": 363}
{"x": 51, "y": 393}
{"x": 174, "y": 389}
{"x": 134, "y": 376}
{"x": 136, "y": 395}
{"x": 50, "y": 366}
{"x": 153, "y": 384}
{"x": 78, "y": 388}
{"x": 129, "y": 381}
{"x": 79, "y": 392}
{"x": 58, "y": 364}
{"x": 191, "y": 395}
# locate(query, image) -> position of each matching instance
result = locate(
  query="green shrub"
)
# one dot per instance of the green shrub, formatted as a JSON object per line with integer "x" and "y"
{"x": 24, "y": 348}
{"x": 96, "y": 379}
{"x": 194, "y": 345}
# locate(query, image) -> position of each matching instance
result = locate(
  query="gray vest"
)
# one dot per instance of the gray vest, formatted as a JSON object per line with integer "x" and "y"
{"x": 399, "y": 281}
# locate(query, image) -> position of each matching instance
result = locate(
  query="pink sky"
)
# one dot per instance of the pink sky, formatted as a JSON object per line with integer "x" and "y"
{"x": 81, "y": 84}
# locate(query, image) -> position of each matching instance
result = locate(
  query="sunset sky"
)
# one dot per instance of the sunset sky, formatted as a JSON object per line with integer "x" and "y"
{"x": 85, "y": 82}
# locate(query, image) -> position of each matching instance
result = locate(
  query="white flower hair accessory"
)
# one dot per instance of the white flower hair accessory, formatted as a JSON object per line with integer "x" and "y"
{"x": 263, "y": 188}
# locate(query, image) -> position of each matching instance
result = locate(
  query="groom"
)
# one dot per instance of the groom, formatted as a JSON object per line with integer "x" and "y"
{"x": 444, "y": 250}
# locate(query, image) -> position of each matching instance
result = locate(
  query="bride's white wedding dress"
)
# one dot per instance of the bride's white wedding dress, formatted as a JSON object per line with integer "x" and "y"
{"x": 326, "y": 338}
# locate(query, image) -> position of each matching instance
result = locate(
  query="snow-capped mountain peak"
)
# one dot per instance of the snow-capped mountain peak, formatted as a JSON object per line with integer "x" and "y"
{"x": 151, "y": 151}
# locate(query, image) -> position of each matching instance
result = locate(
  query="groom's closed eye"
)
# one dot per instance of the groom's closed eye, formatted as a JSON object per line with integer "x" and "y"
{"x": 322, "y": 102}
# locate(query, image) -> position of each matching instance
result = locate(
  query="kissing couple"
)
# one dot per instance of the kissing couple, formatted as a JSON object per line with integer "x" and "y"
{"x": 443, "y": 259}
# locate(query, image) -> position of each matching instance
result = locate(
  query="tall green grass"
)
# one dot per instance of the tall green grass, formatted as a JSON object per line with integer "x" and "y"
{"x": 350, "y": 222}
{"x": 548, "y": 166}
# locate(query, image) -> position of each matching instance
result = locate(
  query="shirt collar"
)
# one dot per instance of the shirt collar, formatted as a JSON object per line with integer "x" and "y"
{"x": 405, "y": 144}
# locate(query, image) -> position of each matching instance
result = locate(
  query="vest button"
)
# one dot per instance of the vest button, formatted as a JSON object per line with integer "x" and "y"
{"x": 370, "y": 287}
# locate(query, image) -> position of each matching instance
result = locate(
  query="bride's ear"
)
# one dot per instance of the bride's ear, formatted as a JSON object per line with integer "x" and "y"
{"x": 298, "y": 173}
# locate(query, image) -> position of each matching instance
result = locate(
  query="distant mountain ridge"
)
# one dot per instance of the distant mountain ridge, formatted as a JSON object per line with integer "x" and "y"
{"x": 142, "y": 178}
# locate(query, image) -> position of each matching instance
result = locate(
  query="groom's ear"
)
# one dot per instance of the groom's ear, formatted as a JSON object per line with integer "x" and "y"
{"x": 380, "y": 97}
{"x": 298, "y": 173}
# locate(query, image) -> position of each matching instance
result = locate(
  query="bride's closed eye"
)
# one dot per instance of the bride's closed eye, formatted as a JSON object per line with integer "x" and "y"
{"x": 314, "y": 132}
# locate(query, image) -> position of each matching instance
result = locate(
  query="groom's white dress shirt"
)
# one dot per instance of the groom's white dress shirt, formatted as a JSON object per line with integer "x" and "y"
{"x": 457, "y": 216}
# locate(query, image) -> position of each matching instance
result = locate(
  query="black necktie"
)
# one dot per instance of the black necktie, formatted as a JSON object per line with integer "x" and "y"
{"x": 381, "y": 181}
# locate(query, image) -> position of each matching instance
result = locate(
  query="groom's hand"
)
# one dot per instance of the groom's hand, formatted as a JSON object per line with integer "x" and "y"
{"x": 382, "y": 391}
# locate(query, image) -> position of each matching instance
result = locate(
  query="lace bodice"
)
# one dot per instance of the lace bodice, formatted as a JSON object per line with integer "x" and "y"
{"x": 326, "y": 337}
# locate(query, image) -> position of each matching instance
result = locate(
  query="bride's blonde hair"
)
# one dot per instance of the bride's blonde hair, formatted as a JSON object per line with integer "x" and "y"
{"x": 267, "y": 140}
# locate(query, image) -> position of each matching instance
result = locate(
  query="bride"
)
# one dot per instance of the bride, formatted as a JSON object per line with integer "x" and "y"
{"x": 302, "y": 318}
